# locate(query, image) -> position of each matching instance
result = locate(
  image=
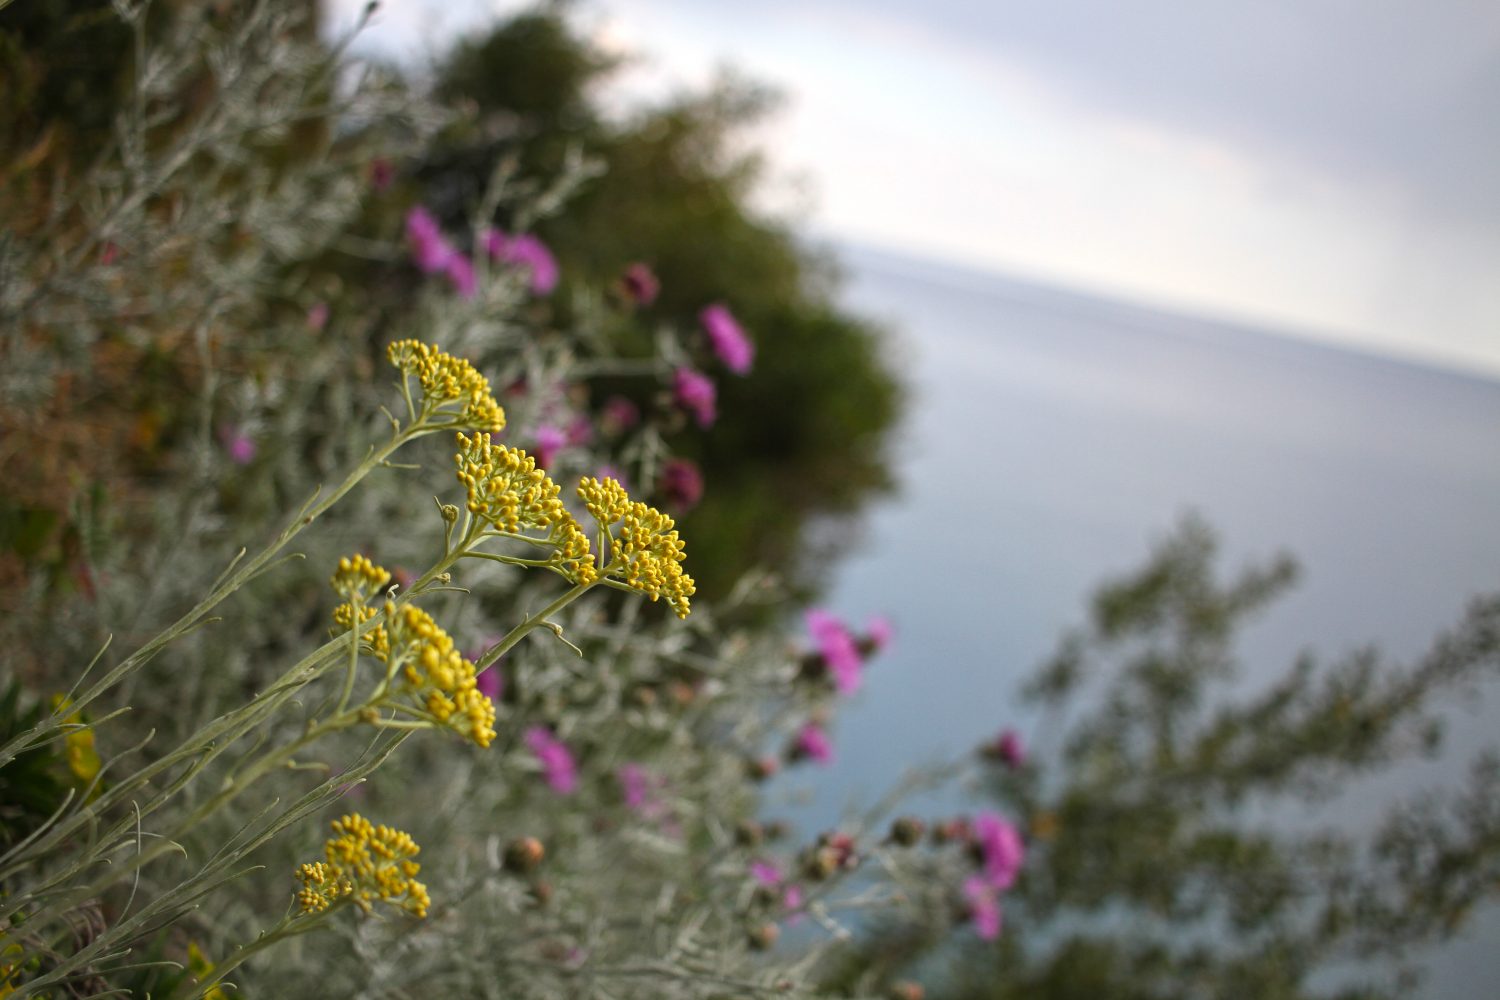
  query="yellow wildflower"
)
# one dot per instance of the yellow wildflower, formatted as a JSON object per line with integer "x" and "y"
{"x": 648, "y": 551}
{"x": 446, "y": 379}
{"x": 438, "y": 679}
{"x": 367, "y": 864}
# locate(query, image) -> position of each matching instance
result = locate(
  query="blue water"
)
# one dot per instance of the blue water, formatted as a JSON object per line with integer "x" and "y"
{"x": 1052, "y": 437}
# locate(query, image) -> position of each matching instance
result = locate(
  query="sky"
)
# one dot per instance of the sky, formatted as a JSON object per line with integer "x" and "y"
{"x": 1329, "y": 168}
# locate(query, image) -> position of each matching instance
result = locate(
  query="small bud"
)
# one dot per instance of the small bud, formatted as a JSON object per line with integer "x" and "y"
{"x": 907, "y": 990}
{"x": 775, "y": 830}
{"x": 763, "y": 768}
{"x": 450, "y": 513}
{"x": 645, "y": 697}
{"x": 523, "y": 854}
{"x": 821, "y": 863}
{"x": 748, "y": 833}
{"x": 764, "y": 936}
{"x": 907, "y": 831}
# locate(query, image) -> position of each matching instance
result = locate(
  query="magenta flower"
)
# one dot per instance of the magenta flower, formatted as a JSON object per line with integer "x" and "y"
{"x": 430, "y": 249}
{"x": 767, "y": 873}
{"x": 1010, "y": 749}
{"x": 239, "y": 446}
{"x": 791, "y": 898}
{"x": 618, "y": 415}
{"x": 837, "y": 648}
{"x": 727, "y": 338}
{"x": 880, "y": 632}
{"x": 490, "y": 683}
{"x": 317, "y": 316}
{"x": 526, "y": 252}
{"x": 549, "y": 441}
{"x": 1001, "y": 847}
{"x": 634, "y": 785}
{"x": 681, "y": 483}
{"x": 460, "y": 274}
{"x": 984, "y": 907}
{"x": 580, "y": 431}
{"x": 557, "y": 762}
{"x": 813, "y": 742}
{"x": 640, "y": 284}
{"x": 694, "y": 392}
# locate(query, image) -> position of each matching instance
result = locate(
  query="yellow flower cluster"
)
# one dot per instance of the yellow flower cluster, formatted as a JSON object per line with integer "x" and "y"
{"x": 357, "y": 578}
{"x": 506, "y": 489}
{"x": 648, "y": 551}
{"x": 367, "y": 864}
{"x": 437, "y": 676}
{"x": 445, "y": 378}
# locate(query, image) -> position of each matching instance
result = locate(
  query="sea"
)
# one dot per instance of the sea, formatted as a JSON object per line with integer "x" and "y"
{"x": 1052, "y": 437}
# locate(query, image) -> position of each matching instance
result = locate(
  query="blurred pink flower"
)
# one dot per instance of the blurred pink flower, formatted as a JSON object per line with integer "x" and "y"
{"x": 1001, "y": 848}
{"x": 430, "y": 249}
{"x": 694, "y": 392}
{"x": 549, "y": 441}
{"x": 681, "y": 483}
{"x": 109, "y": 253}
{"x": 837, "y": 648}
{"x": 767, "y": 873}
{"x": 619, "y": 414}
{"x": 727, "y": 338}
{"x": 640, "y": 284}
{"x": 490, "y": 683}
{"x": 792, "y": 900}
{"x": 524, "y": 251}
{"x": 580, "y": 431}
{"x": 880, "y": 632}
{"x": 813, "y": 742}
{"x": 984, "y": 907}
{"x": 1010, "y": 749}
{"x": 317, "y": 316}
{"x": 557, "y": 762}
{"x": 460, "y": 274}
{"x": 239, "y": 446}
{"x": 634, "y": 785}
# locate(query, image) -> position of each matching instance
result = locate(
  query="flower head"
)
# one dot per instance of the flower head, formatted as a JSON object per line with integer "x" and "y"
{"x": 640, "y": 284}
{"x": 460, "y": 272}
{"x": 984, "y": 907}
{"x": 526, "y": 252}
{"x": 647, "y": 553}
{"x": 1009, "y": 748}
{"x": 239, "y": 445}
{"x": 681, "y": 483}
{"x": 727, "y": 338}
{"x": 880, "y": 633}
{"x": 767, "y": 873}
{"x": 317, "y": 316}
{"x": 618, "y": 415}
{"x": 366, "y": 864}
{"x": 430, "y": 249}
{"x": 437, "y": 679}
{"x": 506, "y": 489}
{"x": 549, "y": 441}
{"x": 812, "y": 741}
{"x": 837, "y": 648}
{"x": 556, "y": 760}
{"x": 447, "y": 380}
{"x": 694, "y": 392}
{"x": 382, "y": 174}
{"x": 1001, "y": 849}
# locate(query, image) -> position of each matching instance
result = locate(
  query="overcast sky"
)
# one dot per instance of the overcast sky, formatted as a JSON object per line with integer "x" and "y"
{"x": 1329, "y": 166}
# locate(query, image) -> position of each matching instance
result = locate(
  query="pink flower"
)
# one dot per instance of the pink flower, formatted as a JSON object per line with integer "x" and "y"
{"x": 681, "y": 483}
{"x": 239, "y": 446}
{"x": 527, "y": 252}
{"x": 556, "y": 760}
{"x": 694, "y": 392}
{"x": 619, "y": 415}
{"x": 381, "y": 174}
{"x": 727, "y": 338}
{"x": 429, "y": 248}
{"x": 1010, "y": 749}
{"x": 813, "y": 742}
{"x": 767, "y": 873}
{"x": 836, "y": 646}
{"x": 580, "y": 431}
{"x": 317, "y": 316}
{"x": 460, "y": 274}
{"x": 984, "y": 907}
{"x": 549, "y": 441}
{"x": 880, "y": 632}
{"x": 792, "y": 900}
{"x": 634, "y": 785}
{"x": 490, "y": 683}
{"x": 640, "y": 284}
{"x": 1001, "y": 847}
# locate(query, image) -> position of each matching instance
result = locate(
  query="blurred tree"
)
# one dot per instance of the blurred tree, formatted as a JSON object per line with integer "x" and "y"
{"x": 1190, "y": 839}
